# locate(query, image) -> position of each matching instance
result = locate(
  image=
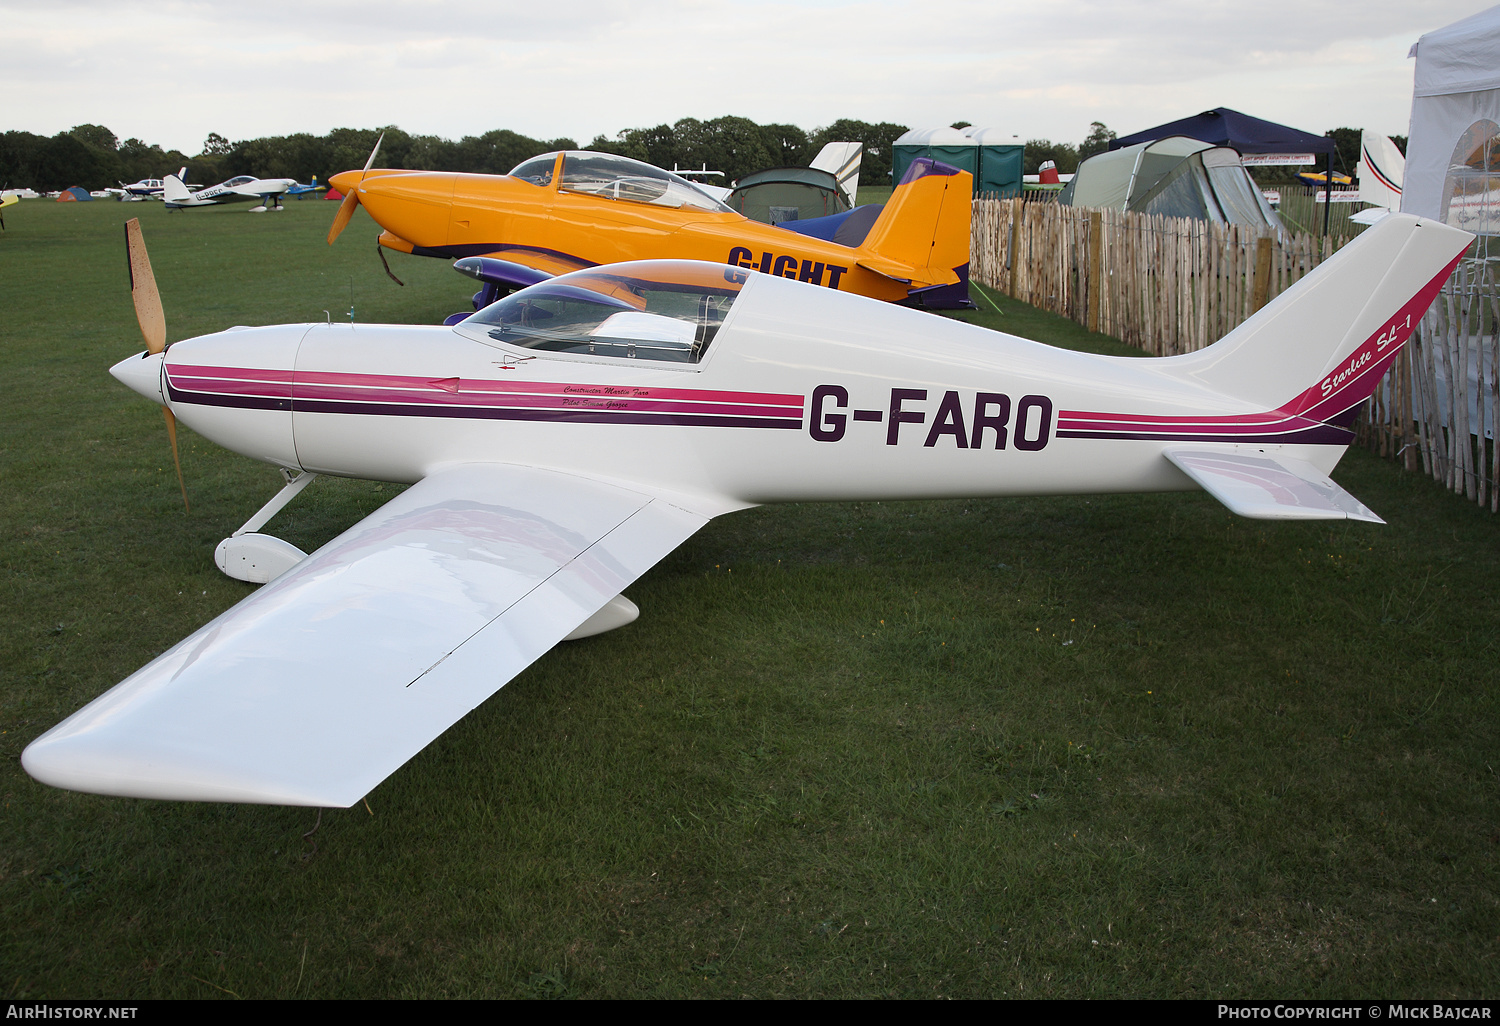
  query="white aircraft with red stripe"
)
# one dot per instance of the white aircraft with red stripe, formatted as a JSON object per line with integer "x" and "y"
{"x": 563, "y": 440}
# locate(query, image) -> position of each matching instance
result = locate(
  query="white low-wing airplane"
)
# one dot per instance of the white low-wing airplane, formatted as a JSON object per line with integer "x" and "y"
{"x": 563, "y": 440}
{"x": 242, "y": 187}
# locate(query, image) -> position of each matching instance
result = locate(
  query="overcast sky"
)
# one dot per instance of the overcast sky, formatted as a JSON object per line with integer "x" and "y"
{"x": 171, "y": 72}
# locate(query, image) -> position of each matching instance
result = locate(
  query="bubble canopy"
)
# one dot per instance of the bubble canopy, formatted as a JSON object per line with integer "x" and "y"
{"x": 618, "y": 178}
{"x": 662, "y": 310}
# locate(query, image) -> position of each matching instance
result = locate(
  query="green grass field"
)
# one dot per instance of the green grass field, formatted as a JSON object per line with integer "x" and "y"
{"x": 1072, "y": 747}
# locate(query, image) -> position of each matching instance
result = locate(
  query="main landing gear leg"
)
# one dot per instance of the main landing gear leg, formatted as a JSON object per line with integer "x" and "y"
{"x": 261, "y": 558}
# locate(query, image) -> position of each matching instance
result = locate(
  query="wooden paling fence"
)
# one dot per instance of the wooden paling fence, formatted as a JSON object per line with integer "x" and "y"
{"x": 1439, "y": 408}
{"x": 1163, "y": 284}
{"x": 1174, "y": 285}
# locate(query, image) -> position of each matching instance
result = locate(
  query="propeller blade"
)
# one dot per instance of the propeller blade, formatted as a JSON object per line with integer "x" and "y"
{"x": 166, "y": 412}
{"x": 371, "y": 162}
{"x": 153, "y": 321}
{"x": 341, "y": 219}
{"x": 148, "y": 310}
{"x": 351, "y": 198}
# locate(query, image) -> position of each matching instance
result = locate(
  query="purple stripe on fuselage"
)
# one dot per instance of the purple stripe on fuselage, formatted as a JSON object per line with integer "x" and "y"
{"x": 579, "y": 416}
{"x": 1321, "y": 434}
{"x": 572, "y": 416}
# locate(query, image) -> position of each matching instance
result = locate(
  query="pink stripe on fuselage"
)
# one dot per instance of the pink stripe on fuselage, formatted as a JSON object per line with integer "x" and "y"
{"x": 440, "y": 397}
{"x": 408, "y": 388}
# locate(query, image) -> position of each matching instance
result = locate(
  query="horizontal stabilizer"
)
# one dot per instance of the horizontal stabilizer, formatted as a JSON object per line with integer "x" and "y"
{"x": 905, "y": 273}
{"x": 1269, "y": 488}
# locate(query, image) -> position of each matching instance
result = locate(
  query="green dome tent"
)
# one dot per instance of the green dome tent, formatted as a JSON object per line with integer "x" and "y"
{"x": 788, "y": 194}
{"x": 1175, "y": 177}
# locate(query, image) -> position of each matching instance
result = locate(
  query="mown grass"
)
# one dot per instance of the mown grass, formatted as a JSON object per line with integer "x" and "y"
{"x": 1082, "y": 747}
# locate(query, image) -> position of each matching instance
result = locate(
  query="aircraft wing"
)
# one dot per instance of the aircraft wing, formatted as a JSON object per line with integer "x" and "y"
{"x": 316, "y": 687}
{"x": 1268, "y": 487}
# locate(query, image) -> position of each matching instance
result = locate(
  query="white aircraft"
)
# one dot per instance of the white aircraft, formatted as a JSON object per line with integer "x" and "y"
{"x": 1382, "y": 170}
{"x": 242, "y": 187}
{"x": 842, "y": 160}
{"x": 563, "y": 440}
{"x": 146, "y": 188}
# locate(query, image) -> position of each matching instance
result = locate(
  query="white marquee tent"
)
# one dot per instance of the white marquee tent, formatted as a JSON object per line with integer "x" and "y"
{"x": 1453, "y": 175}
{"x": 1453, "y": 155}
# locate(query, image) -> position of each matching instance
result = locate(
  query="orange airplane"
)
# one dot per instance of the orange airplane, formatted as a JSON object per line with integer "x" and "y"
{"x": 564, "y": 211}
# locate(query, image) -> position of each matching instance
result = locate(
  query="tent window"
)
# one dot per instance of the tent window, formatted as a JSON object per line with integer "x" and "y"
{"x": 1470, "y": 197}
{"x": 1237, "y": 195}
{"x": 1178, "y": 195}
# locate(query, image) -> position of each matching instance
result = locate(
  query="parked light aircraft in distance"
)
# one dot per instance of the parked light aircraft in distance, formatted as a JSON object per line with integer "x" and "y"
{"x": 560, "y": 212}
{"x": 241, "y": 187}
{"x": 566, "y": 438}
{"x": 146, "y": 188}
{"x": 1381, "y": 171}
{"x": 298, "y": 190}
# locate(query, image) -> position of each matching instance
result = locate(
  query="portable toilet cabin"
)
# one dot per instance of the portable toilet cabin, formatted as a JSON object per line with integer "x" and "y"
{"x": 948, "y": 145}
{"x": 1001, "y": 161}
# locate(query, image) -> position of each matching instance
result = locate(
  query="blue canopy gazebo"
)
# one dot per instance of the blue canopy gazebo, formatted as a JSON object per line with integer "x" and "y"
{"x": 1224, "y": 127}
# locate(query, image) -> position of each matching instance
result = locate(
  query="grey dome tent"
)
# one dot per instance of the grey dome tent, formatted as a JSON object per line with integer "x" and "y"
{"x": 1175, "y": 177}
{"x": 788, "y": 194}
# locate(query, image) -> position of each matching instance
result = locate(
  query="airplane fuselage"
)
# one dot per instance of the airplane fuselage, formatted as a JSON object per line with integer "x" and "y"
{"x": 790, "y": 404}
{"x": 450, "y": 216}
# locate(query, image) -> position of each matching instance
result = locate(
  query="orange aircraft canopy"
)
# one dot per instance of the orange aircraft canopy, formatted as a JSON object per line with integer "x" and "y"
{"x": 620, "y": 178}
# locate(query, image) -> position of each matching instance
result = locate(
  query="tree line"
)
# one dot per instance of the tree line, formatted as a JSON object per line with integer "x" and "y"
{"x": 93, "y": 157}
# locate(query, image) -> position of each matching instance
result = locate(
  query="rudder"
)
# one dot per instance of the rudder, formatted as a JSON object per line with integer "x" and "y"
{"x": 922, "y": 235}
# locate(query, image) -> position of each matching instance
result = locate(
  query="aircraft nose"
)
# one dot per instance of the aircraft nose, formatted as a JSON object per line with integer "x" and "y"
{"x": 344, "y": 181}
{"x": 414, "y": 206}
{"x": 142, "y": 373}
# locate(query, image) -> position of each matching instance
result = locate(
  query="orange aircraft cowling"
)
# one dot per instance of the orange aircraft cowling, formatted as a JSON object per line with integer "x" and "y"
{"x": 564, "y": 211}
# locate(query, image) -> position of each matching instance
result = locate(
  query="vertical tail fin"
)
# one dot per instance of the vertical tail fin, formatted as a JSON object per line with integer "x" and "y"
{"x": 842, "y": 160}
{"x": 1335, "y": 332}
{"x": 1382, "y": 170}
{"x": 922, "y": 235}
{"x": 173, "y": 191}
